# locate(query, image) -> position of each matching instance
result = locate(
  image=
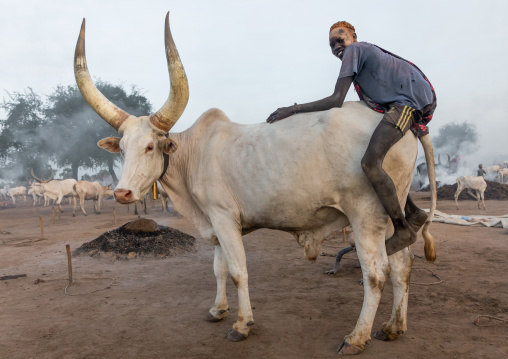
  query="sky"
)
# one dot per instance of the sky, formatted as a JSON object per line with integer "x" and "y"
{"x": 250, "y": 57}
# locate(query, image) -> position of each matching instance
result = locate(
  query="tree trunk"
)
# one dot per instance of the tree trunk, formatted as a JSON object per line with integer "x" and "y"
{"x": 75, "y": 167}
{"x": 112, "y": 171}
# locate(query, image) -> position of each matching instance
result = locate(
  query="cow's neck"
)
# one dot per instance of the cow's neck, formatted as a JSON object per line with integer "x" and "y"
{"x": 175, "y": 181}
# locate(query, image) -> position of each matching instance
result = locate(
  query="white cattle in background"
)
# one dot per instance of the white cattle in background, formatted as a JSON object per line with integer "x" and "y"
{"x": 17, "y": 192}
{"x": 503, "y": 175}
{"x": 86, "y": 190}
{"x": 302, "y": 175}
{"x": 57, "y": 189}
{"x": 471, "y": 183}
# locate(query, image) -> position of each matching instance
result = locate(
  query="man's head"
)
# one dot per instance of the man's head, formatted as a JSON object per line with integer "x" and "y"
{"x": 342, "y": 34}
{"x": 480, "y": 165}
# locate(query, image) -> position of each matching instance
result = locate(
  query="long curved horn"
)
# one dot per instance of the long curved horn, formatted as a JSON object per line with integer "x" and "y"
{"x": 28, "y": 181}
{"x": 100, "y": 104}
{"x": 51, "y": 177}
{"x": 37, "y": 179}
{"x": 174, "y": 106}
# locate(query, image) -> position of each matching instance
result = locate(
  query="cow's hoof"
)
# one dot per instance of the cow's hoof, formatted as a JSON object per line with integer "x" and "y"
{"x": 210, "y": 318}
{"x": 235, "y": 336}
{"x": 348, "y": 349}
{"x": 74, "y": 214}
{"x": 386, "y": 337}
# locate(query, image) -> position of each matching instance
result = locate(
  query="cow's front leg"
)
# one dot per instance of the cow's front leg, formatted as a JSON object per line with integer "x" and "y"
{"x": 400, "y": 264}
{"x": 370, "y": 241}
{"x": 220, "y": 309}
{"x": 230, "y": 238}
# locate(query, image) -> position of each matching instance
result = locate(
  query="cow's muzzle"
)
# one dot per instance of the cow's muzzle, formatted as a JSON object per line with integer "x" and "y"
{"x": 123, "y": 196}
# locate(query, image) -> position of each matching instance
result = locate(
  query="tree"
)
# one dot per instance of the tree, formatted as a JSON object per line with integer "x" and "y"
{"x": 21, "y": 145}
{"x": 456, "y": 138}
{"x": 79, "y": 128}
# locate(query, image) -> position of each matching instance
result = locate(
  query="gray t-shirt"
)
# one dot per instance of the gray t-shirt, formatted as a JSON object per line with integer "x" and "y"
{"x": 385, "y": 78}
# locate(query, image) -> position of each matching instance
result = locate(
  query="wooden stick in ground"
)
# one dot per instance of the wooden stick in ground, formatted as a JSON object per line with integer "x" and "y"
{"x": 344, "y": 234}
{"x": 53, "y": 215}
{"x": 114, "y": 215}
{"x": 69, "y": 262}
{"x": 42, "y": 227}
{"x": 58, "y": 210}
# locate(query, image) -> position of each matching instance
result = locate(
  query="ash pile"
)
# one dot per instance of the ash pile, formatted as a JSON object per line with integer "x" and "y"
{"x": 140, "y": 238}
{"x": 495, "y": 190}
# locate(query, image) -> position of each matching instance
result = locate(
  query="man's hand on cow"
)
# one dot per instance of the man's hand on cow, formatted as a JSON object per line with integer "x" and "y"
{"x": 280, "y": 114}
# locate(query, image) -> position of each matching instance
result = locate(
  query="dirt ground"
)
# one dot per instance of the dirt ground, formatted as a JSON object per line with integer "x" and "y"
{"x": 156, "y": 308}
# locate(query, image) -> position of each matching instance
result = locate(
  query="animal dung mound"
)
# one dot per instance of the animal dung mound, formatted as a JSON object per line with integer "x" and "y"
{"x": 495, "y": 190}
{"x": 140, "y": 238}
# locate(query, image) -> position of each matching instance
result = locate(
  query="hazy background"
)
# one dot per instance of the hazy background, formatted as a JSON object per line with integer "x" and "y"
{"x": 250, "y": 57}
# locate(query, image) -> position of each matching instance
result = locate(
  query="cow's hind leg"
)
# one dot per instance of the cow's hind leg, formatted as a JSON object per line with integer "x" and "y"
{"x": 220, "y": 309}
{"x": 400, "y": 274}
{"x": 370, "y": 247}
{"x": 230, "y": 238}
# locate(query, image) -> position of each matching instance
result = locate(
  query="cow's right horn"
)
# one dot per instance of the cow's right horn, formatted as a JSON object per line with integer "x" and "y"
{"x": 37, "y": 179}
{"x": 100, "y": 104}
{"x": 174, "y": 106}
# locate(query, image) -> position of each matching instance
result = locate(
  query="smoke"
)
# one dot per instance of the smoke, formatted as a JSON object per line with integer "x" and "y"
{"x": 460, "y": 143}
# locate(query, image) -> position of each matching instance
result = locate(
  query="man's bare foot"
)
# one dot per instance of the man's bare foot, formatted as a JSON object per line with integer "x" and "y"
{"x": 402, "y": 237}
{"x": 416, "y": 220}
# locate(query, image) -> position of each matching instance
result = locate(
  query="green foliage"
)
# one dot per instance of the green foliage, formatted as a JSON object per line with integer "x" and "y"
{"x": 21, "y": 146}
{"x": 64, "y": 131}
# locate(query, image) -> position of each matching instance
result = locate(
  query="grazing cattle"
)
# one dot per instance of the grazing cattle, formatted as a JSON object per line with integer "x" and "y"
{"x": 302, "y": 176}
{"x": 17, "y": 192}
{"x": 57, "y": 189}
{"x": 470, "y": 183}
{"x": 91, "y": 190}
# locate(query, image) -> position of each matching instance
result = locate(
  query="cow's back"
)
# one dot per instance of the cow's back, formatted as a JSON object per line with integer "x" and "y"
{"x": 283, "y": 174}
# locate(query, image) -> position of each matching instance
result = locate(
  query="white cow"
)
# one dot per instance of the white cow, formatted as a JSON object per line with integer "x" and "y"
{"x": 86, "y": 190}
{"x": 301, "y": 175}
{"x": 477, "y": 184}
{"x": 57, "y": 189}
{"x": 17, "y": 192}
{"x": 36, "y": 191}
{"x": 503, "y": 175}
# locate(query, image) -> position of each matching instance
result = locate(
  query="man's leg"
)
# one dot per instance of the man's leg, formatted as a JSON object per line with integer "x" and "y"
{"x": 384, "y": 137}
{"x": 415, "y": 216}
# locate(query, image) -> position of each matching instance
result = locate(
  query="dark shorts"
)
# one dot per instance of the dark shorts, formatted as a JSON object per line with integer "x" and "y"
{"x": 402, "y": 118}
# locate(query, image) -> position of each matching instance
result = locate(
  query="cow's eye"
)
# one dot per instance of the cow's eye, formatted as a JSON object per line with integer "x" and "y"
{"x": 149, "y": 148}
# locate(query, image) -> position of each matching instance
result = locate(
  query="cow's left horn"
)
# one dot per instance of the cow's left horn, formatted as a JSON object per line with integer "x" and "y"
{"x": 100, "y": 104}
{"x": 174, "y": 106}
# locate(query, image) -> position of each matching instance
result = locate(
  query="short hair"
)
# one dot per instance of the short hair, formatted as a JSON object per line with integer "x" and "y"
{"x": 345, "y": 24}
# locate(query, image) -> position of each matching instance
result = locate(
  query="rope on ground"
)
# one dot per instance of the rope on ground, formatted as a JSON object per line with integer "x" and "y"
{"x": 476, "y": 321}
{"x": 95, "y": 291}
{"x": 37, "y": 281}
{"x": 433, "y": 274}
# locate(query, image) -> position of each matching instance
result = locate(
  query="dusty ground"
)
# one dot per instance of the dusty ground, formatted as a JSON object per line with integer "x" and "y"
{"x": 156, "y": 308}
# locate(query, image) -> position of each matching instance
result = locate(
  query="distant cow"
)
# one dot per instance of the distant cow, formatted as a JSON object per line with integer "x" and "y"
{"x": 36, "y": 191}
{"x": 91, "y": 190}
{"x": 471, "y": 183}
{"x": 57, "y": 189}
{"x": 503, "y": 174}
{"x": 17, "y": 191}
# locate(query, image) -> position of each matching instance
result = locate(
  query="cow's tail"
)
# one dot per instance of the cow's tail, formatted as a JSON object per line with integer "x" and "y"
{"x": 430, "y": 246}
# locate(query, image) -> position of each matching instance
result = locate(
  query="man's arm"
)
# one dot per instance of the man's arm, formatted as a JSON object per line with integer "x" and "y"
{"x": 335, "y": 100}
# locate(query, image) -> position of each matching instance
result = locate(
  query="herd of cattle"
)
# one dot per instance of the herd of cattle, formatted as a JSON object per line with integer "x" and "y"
{"x": 52, "y": 190}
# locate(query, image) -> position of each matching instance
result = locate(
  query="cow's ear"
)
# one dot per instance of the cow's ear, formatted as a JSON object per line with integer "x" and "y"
{"x": 168, "y": 145}
{"x": 111, "y": 144}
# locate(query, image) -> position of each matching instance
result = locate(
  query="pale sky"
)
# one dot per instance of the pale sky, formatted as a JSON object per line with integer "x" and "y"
{"x": 250, "y": 57}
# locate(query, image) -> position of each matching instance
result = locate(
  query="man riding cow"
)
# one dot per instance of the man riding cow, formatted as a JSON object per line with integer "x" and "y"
{"x": 390, "y": 85}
